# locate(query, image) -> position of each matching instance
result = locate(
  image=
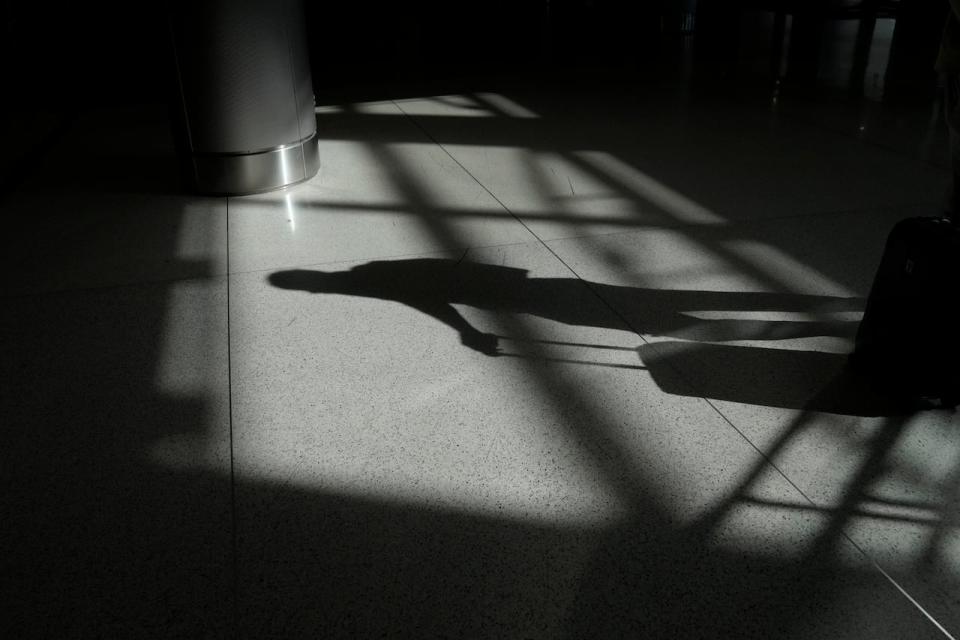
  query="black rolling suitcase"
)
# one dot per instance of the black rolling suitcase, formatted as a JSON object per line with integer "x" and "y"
{"x": 908, "y": 342}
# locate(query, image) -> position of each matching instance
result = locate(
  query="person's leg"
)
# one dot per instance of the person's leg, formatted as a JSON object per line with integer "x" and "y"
{"x": 952, "y": 109}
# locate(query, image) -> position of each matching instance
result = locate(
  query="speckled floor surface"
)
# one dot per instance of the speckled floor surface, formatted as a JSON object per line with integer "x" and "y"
{"x": 514, "y": 364}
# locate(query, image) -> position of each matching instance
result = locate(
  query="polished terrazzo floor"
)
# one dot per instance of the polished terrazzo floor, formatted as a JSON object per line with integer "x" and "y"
{"x": 517, "y": 363}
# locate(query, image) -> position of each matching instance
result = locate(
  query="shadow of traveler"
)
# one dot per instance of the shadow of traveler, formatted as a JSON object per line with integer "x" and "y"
{"x": 433, "y": 286}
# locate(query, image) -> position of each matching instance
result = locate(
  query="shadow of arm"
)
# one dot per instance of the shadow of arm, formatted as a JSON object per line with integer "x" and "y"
{"x": 470, "y": 336}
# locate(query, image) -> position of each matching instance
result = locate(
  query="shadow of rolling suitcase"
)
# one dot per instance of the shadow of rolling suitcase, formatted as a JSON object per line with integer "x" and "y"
{"x": 908, "y": 342}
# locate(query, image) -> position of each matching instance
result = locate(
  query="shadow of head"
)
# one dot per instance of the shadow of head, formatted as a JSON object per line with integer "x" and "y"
{"x": 413, "y": 279}
{"x": 307, "y": 280}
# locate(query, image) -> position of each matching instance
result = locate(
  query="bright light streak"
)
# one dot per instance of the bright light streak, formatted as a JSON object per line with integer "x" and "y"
{"x": 799, "y": 276}
{"x": 508, "y": 106}
{"x": 678, "y": 205}
{"x": 443, "y": 106}
{"x": 777, "y": 316}
{"x": 291, "y": 215}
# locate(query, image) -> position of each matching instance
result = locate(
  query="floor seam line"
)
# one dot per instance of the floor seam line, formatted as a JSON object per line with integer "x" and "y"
{"x": 683, "y": 376}
{"x": 876, "y": 565}
{"x": 429, "y": 136}
{"x": 733, "y": 223}
{"x": 233, "y": 479}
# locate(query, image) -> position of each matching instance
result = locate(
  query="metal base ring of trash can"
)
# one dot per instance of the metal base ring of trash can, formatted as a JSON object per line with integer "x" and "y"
{"x": 255, "y": 172}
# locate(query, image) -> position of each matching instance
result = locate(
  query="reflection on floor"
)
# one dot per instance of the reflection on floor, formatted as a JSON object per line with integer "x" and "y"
{"x": 516, "y": 363}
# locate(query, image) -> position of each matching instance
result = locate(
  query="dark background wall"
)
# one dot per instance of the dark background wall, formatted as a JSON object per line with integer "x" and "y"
{"x": 72, "y": 53}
